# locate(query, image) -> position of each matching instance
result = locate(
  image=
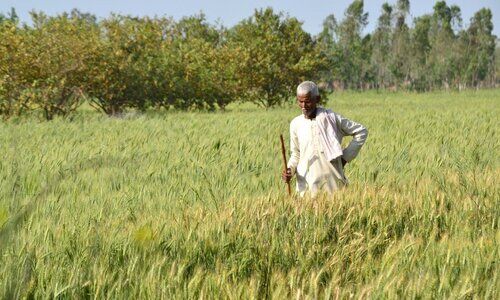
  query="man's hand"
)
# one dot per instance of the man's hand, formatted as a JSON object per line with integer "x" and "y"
{"x": 287, "y": 175}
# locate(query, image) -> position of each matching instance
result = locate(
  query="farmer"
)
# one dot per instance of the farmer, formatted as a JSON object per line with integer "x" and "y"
{"x": 317, "y": 157}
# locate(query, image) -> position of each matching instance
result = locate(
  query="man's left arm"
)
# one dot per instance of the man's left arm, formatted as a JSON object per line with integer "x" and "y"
{"x": 357, "y": 131}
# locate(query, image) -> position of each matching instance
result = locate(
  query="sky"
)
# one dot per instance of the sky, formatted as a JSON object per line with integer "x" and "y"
{"x": 310, "y": 12}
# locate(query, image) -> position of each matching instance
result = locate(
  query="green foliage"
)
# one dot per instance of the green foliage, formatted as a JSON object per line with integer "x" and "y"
{"x": 344, "y": 44}
{"x": 123, "y": 56}
{"x": 276, "y": 54}
{"x": 443, "y": 55}
{"x": 398, "y": 60}
{"x": 480, "y": 44}
{"x": 171, "y": 206}
{"x": 435, "y": 53}
{"x": 41, "y": 67}
{"x": 11, "y": 63}
{"x": 142, "y": 62}
{"x": 125, "y": 63}
{"x": 10, "y": 17}
{"x": 381, "y": 44}
{"x": 325, "y": 47}
{"x": 497, "y": 59}
{"x": 209, "y": 65}
{"x": 421, "y": 46}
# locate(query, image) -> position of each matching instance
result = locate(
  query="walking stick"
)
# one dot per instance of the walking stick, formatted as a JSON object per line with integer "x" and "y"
{"x": 283, "y": 152}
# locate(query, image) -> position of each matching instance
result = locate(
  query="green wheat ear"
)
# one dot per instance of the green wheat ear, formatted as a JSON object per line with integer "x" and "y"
{"x": 4, "y": 216}
{"x": 144, "y": 235}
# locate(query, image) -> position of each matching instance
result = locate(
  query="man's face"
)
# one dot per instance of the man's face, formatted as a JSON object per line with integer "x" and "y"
{"x": 308, "y": 104}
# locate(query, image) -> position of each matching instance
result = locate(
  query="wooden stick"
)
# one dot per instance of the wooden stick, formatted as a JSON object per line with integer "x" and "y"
{"x": 283, "y": 152}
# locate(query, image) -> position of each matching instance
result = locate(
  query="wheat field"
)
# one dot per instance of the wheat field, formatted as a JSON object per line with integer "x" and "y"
{"x": 166, "y": 205}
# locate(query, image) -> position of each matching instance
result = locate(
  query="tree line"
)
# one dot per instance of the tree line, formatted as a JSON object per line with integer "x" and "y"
{"x": 121, "y": 62}
{"x": 436, "y": 52}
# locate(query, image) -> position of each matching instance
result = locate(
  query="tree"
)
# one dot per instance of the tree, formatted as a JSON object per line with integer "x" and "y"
{"x": 381, "y": 44}
{"x": 11, "y": 16}
{"x": 480, "y": 45}
{"x": 349, "y": 45}
{"x": 399, "y": 63}
{"x": 45, "y": 64}
{"x": 443, "y": 57}
{"x": 326, "y": 47}
{"x": 402, "y": 10}
{"x": 275, "y": 54}
{"x": 208, "y": 65}
{"x": 11, "y": 59}
{"x": 419, "y": 54}
{"x": 123, "y": 63}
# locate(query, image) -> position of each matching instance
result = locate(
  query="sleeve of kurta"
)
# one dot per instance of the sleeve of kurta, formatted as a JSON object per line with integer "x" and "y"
{"x": 294, "y": 149}
{"x": 357, "y": 131}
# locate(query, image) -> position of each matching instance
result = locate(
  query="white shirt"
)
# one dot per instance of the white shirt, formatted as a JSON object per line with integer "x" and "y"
{"x": 308, "y": 161}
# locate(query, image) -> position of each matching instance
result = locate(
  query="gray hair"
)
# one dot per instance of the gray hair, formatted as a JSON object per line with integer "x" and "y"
{"x": 308, "y": 87}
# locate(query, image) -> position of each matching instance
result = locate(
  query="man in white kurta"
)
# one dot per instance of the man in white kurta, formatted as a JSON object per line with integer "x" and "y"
{"x": 315, "y": 138}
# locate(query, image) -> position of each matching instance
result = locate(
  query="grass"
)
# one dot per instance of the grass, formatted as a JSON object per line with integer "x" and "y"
{"x": 190, "y": 205}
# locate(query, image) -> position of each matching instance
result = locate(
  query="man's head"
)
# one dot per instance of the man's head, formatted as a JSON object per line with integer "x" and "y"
{"x": 308, "y": 98}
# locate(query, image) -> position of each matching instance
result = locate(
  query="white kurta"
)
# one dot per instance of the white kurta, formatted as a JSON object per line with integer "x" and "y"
{"x": 308, "y": 161}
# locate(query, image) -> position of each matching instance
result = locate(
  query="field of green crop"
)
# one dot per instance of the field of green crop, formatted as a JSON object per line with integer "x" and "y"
{"x": 190, "y": 205}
